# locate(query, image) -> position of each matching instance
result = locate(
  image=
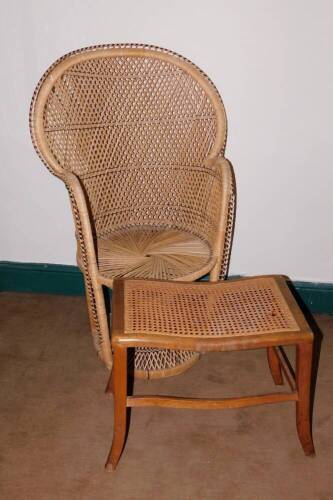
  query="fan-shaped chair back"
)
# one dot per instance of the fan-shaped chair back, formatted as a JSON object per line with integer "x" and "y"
{"x": 136, "y": 124}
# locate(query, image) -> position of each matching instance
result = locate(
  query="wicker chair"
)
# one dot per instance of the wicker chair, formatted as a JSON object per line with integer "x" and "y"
{"x": 137, "y": 134}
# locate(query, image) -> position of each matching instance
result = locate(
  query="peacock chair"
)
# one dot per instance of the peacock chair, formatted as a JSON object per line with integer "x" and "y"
{"x": 137, "y": 134}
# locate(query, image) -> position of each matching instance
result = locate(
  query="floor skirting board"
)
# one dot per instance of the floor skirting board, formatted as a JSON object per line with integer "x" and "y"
{"x": 67, "y": 280}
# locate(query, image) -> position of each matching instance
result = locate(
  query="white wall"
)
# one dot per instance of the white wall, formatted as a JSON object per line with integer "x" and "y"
{"x": 272, "y": 62}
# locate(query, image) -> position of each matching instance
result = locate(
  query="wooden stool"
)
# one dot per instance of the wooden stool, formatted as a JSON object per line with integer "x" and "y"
{"x": 248, "y": 313}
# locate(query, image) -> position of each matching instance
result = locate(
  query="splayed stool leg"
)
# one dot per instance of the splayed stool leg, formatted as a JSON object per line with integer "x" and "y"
{"x": 274, "y": 365}
{"x": 119, "y": 387}
{"x": 303, "y": 405}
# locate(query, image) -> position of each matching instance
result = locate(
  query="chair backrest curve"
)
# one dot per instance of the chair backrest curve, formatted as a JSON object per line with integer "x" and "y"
{"x": 135, "y": 123}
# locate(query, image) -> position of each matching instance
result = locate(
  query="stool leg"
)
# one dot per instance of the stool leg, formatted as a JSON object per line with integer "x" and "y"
{"x": 303, "y": 381}
{"x": 274, "y": 365}
{"x": 119, "y": 386}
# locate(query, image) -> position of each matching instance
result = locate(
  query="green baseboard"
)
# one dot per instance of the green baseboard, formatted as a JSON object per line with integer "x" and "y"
{"x": 68, "y": 280}
{"x": 41, "y": 278}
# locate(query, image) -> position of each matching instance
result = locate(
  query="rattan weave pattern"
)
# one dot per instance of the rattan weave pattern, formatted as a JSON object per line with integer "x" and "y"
{"x": 142, "y": 130}
{"x": 244, "y": 307}
{"x": 141, "y": 158}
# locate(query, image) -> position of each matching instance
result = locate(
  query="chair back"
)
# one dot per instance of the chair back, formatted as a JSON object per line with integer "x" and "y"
{"x": 136, "y": 124}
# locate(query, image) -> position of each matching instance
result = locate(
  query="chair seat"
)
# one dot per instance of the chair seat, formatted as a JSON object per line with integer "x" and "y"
{"x": 252, "y": 307}
{"x": 153, "y": 252}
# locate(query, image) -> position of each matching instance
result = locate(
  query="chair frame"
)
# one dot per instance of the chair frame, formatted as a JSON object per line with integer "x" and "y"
{"x": 299, "y": 382}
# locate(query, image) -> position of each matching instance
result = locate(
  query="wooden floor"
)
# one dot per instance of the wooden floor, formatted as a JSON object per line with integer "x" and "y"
{"x": 56, "y": 422}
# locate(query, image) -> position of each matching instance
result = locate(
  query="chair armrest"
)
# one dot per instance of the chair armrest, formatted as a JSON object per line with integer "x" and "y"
{"x": 84, "y": 234}
{"x": 224, "y": 216}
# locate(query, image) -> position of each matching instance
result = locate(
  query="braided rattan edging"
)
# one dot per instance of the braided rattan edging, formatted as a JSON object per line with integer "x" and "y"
{"x": 229, "y": 233}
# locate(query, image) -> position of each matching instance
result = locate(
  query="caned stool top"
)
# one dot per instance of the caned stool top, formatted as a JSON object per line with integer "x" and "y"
{"x": 193, "y": 312}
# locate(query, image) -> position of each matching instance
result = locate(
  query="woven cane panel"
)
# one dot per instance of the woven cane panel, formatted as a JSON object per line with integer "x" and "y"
{"x": 239, "y": 308}
{"x": 136, "y": 130}
{"x": 172, "y": 196}
{"x": 150, "y": 252}
{"x": 109, "y": 112}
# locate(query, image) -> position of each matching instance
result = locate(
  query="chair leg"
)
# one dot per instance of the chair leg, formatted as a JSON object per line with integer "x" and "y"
{"x": 274, "y": 365}
{"x": 303, "y": 381}
{"x": 119, "y": 386}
